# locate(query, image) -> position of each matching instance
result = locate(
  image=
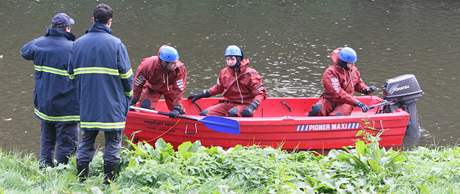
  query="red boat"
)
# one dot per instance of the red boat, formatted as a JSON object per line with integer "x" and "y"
{"x": 277, "y": 122}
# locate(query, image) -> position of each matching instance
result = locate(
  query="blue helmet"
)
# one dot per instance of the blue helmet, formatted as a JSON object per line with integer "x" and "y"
{"x": 168, "y": 54}
{"x": 233, "y": 50}
{"x": 348, "y": 55}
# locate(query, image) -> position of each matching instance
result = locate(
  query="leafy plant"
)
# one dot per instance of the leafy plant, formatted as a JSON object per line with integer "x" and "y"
{"x": 366, "y": 168}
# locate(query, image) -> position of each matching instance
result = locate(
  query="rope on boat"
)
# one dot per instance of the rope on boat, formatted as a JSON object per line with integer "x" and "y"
{"x": 172, "y": 127}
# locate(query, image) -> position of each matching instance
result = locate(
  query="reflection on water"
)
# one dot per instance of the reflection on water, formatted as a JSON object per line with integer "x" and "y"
{"x": 287, "y": 41}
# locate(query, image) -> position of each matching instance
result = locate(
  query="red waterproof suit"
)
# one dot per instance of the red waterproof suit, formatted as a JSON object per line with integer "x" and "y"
{"x": 239, "y": 89}
{"x": 339, "y": 85}
{"x": 151, "y": 81}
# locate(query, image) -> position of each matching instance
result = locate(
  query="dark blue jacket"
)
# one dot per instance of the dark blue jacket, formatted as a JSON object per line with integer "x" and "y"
{"x": 54, "y": 94}
{"x": 101, "y": 66}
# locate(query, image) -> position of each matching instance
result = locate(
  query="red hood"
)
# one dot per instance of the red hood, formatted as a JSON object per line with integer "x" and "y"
{"x": 335, "y": 58}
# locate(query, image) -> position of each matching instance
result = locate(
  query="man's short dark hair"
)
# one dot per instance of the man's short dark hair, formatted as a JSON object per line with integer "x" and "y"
{"x": 102, "y": 13}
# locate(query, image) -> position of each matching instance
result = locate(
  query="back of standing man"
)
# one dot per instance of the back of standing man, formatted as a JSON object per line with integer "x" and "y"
{"x": 101, "y": 66}
{"x": 54, "y": 95}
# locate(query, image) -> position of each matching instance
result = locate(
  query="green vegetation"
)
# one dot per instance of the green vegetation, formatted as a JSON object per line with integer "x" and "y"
{"x": 197, "y": 169}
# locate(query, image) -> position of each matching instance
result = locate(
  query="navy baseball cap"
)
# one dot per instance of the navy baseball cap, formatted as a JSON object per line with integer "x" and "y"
{"x": 62, "y": 20}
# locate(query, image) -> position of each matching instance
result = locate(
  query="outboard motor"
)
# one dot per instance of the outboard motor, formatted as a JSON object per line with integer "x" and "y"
{"x": 404, "y": 91}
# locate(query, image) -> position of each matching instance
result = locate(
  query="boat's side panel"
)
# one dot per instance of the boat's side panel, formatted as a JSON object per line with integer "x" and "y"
{"x": 289, "y": 132}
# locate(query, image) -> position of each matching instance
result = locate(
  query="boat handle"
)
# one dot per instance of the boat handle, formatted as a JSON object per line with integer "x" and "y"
{"x": 190, "y": 133}
{"x": 286, "y": 105}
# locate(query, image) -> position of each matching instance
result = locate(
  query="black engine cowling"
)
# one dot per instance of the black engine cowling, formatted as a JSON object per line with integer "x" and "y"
{"x": 404, "y": 91}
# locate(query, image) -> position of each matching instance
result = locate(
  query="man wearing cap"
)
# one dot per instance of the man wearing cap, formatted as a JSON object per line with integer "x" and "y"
{"x": 102, "y": 70}
{"x": 54, "y": 96}
{"x": 161, "y": 75}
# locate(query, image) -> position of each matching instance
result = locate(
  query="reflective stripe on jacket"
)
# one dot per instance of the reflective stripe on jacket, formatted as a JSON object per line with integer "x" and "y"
{"x": 101, "y": 67}
{"x": 55, "y": 97}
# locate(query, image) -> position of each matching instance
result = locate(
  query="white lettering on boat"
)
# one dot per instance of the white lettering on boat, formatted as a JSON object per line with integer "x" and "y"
{"x": 327, "y": 127}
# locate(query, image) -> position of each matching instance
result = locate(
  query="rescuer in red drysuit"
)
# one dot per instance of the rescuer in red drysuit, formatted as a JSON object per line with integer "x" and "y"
{"x": 161, "y": 75}
{"x": 240, "y": 85}
{"x": 340, "y": 80}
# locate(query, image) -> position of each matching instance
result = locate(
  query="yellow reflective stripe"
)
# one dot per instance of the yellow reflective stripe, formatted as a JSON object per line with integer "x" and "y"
{"x": 127, "y": 74}
{"x": 129, "y": 94}
{"x": 95, "y": 70}
{"x": 51, "y": 70}
{"x": 102, "y": 70}
{"x": 56, "y": 118}
{"x": 103, "y": 125}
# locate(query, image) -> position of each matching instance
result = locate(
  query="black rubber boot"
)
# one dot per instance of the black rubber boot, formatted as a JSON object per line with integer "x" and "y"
{"x": 44, "y": 165}
{"x": 82, "y": 172}
{"x": 110, "y": 172}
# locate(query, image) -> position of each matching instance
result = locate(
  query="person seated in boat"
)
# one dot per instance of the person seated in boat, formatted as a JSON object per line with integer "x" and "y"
{"x": 340, "y": 80}
{"x": 160, "y": 75}
{"x": 240, "y": 85}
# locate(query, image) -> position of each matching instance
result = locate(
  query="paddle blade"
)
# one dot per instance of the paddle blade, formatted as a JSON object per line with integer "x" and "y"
{"x": 221, "y": 124}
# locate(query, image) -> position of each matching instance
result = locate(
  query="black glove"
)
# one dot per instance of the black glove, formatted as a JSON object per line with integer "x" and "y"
{"x": 370, "y": 89}
{"x": 363, "y": 107}
{"x": 134, "y": 101}
{"x": 195, "y": 97}
{"x": 249, "y": 110}
{"x": 177, "y": 110}
{"x": 146, "y": 104}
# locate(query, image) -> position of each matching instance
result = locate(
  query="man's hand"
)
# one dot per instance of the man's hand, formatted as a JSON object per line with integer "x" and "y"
{"x": 370, "y": 90}
{"x": 177, "y": 110}
{"x": 133, "y": 101}
{"x": 363, "y": 107}
{"x": 173, "y": 114}
{"x": 195, "y": 97}
{"x": 146, "y": 104}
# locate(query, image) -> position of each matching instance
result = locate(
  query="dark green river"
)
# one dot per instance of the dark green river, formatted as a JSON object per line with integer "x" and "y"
{"x": 287, "y": 41}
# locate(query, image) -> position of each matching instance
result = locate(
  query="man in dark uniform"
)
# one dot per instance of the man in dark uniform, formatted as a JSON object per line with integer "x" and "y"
{"x": 54, "y": 95}
{"x": 101, "y": 67}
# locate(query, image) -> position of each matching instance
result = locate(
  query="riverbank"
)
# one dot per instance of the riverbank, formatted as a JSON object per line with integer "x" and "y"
{"x": 197, "y": 169}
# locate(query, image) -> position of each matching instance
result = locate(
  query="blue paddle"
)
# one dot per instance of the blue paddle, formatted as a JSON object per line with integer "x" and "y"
{"x": 215, "y": 123}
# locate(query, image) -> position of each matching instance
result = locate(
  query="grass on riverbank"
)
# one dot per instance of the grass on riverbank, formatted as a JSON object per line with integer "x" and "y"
{"x": 197, "y": 169}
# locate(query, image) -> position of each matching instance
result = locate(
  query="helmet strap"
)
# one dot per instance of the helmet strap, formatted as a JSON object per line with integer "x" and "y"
{"x": 343, "y": 64}
{"x": 237, "y": 65}
{"x": 165, "y": 65}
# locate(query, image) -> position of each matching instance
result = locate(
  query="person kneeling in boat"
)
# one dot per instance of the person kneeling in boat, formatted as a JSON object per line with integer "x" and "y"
{"x": 240, "y": 85}
{"x": 160, "y": 75}
{"x": 340, "y": 81}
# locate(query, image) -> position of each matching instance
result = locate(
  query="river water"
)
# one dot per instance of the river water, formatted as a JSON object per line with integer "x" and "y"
{"x": 287, "y": 41}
